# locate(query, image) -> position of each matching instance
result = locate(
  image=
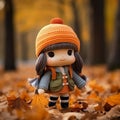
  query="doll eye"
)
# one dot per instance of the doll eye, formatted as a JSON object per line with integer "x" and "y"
{"x": 69, "y": 52}
{"x": 51, "y": 54}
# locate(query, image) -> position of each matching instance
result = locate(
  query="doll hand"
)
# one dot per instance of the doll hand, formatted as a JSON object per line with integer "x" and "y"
{"x": 83, "y": 89}
{"x": 83, "y": 77}
{"x": 40, "y": 91}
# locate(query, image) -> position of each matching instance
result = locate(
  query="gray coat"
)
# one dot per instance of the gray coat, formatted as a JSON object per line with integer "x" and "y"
{"x": 45, "y": 80}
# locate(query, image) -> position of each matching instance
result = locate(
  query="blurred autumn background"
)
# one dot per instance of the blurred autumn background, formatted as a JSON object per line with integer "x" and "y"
{"x": 97, "y": 24}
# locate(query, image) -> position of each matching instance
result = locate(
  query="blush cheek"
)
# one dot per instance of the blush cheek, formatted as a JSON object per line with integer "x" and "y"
{"x": 72, "y": 60}
{"x": 51, "y": 62}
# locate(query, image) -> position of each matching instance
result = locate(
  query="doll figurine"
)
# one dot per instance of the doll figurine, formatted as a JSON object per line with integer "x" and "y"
{"x": 58, "y": 63}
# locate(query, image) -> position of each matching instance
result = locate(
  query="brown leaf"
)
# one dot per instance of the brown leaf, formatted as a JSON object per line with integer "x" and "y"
{"x": 72, "y": 116}
{"x": 113, "y": 114}
{"x": 89, "y": 116}
{"x": 107, "y": 107}
{"x": 26, "y": 97}
{"x": 55, "y": 114}
{"x": 17, "y": 103}
{"x": 3, "y": 102}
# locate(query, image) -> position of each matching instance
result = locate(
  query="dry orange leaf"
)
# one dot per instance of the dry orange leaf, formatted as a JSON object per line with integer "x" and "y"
{"x": 18, "y": 103}
{"x": 113, "y": 99}
{"x": 39, "y": 99}
{"x": 12, "y": 94}
{"x": 25, "y": 96}
{"x": 37, "y": 113}
{"x": 95, "y": 86}
{"x": 93, "y": 97}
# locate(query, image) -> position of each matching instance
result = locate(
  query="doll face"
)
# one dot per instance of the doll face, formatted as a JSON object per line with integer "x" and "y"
{"x": 60, "y": 57}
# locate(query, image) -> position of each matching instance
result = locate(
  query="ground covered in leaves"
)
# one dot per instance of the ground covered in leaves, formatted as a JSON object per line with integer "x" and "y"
{"x": 100, "y": 100}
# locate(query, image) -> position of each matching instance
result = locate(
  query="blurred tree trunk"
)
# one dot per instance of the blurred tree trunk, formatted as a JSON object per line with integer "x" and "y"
{"x": 114, "y": 61}
{"x": 24, "y": 46}
{"x": 76, "y": 21}
{"x": 60, "y": 8}
{"x": 9, "y": 37}
{"x": 77, "y": 25}
{"x": 96, "y": 51}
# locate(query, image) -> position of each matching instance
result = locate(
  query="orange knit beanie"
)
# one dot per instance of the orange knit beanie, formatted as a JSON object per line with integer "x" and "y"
{"x": 55, "y": 32}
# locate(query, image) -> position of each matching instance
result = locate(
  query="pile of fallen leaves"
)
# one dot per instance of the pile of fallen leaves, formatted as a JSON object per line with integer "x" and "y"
{"x": 100, "y": 100}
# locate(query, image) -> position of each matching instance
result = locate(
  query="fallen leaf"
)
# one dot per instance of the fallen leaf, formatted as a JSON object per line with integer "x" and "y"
{"x": 113, "y": 114}
{"x": 96, "y": 86}
{"x": 107, "y": 107}
{"x": 55, "y": 114}
{"x": 37, "y": 113}
{"x": 39, "y": 99}
{"x": 72, "y": 116}
{"x": 3, "y": 102}
{"x": 26, "y": 97}
{"x": 113, "y": 100}
{"x": 93, "y": 97}
{"x": 17, "y": 103}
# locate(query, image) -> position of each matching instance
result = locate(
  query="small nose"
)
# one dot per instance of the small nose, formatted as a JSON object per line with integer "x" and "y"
{"x": 62, "y": 59}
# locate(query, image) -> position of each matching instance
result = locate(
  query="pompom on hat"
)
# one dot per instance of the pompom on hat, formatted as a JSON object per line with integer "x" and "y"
{"x": 55, "y": 32}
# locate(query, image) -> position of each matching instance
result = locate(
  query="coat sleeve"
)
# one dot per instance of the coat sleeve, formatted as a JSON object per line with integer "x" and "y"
{"x": 80, "y": 82}
{"x": 45, "y": 81}
{"x": 33, "y": 82}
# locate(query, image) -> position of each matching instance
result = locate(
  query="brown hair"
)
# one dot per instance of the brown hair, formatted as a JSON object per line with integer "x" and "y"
{"x": 41, "y": 60}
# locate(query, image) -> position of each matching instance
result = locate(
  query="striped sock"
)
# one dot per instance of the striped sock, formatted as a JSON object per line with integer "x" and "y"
{"x": 52, "y": 101}
{"x": 64, "y": 101}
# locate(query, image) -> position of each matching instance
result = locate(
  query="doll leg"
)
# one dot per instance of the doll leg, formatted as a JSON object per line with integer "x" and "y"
{"x": 64, "y": 100}
{"x": 52, "y": 100}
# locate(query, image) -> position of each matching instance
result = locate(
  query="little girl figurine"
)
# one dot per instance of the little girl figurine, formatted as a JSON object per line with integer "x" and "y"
{"x": 58, "y": 63}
